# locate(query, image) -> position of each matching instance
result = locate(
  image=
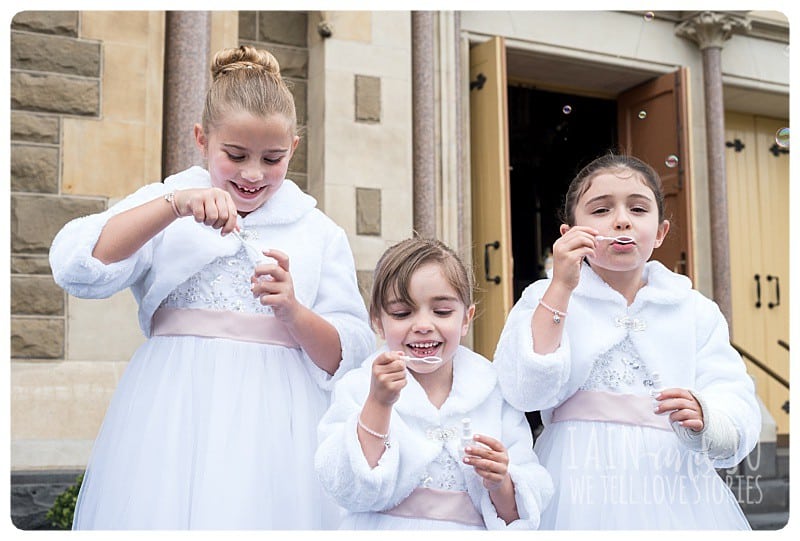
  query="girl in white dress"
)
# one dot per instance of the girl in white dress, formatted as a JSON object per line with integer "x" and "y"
{"x": 397, "y": 448}
{"x": 641, "y": 394}
{"x": 213, "y": 424}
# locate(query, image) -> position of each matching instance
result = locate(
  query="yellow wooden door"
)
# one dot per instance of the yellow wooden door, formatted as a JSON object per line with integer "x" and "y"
{"x": 491, "y": 229}
{"x": 652, "y": 124}
{"x": 758, "y": 207}
{"x": 773, "y": 177}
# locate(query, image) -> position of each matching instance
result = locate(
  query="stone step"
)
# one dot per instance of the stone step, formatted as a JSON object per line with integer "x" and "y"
{"x": 782, "y": 458}
{"x": 762, "y": 461}
{"x": 768, "y": 521}
{"x": 761, "y": 495}
{"x": 33, "y": 494}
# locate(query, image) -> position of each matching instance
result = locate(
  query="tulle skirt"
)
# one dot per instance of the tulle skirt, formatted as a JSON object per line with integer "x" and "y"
{"x": 612, "y": 476}
{"x": 208, "y": 433}
{"x": 381, "y": 521}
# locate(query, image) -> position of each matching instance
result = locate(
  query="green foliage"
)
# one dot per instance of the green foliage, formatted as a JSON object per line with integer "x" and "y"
{"x": 60, "y": 515}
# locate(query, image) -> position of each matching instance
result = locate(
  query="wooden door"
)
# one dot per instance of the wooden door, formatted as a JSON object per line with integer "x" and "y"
{"x": 652, "y": 124}
{"x": 758, "y": 210}
{"x": 491, "y": 229}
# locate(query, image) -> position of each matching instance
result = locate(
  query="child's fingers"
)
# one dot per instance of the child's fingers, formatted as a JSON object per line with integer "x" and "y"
{"x": 389, "y": 358}
{"x": 278, "y": 274}
{"x": 492, "y": 473}
{"x": 481, "y": 454}
{"x": 681, "y": 416}
{"x": 675, "y": 404}
{"x": 693, "y": 424}
{"x": 675, "y": 392}
{"x": 280, "y": 257}
{"x": 492, "y": 443}
{"x": 230, "y": 224}
{"x": 212, "y": 210}
{"x": 387, "y": 363}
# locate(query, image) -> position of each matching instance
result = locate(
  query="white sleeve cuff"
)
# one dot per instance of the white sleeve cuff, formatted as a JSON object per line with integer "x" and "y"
{"x": 719, "y": 437}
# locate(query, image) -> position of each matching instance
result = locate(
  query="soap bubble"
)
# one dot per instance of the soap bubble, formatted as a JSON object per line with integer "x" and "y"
{"x": 782, "y": 137}
{"x": 567, "y": 109}
{"x": 642, "y": 114}
{"x": 649, "y": 16}
{"x": 671, "y": 161}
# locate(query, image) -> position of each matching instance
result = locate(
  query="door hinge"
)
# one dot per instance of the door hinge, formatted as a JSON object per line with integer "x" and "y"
{"x": 478, "y": 82}
{"x": 736, "y": 144}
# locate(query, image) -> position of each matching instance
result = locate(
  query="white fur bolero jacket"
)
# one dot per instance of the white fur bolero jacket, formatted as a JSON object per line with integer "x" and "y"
{"x": 677, "y": 331}
{"x": 344, "y": 471}
{"x": 322, "y": 266}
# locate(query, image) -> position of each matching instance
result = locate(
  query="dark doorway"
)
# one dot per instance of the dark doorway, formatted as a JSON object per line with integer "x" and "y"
{"x": 551, "y": 136}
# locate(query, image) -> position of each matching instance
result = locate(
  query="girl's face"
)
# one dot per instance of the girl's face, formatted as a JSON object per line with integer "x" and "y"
{"x": 436, "y": 322}
{"x": 248, "y": 156}
{"x": 621, "y": 204}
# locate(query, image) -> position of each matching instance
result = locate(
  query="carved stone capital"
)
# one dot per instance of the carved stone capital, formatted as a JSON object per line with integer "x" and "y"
{"x": 711, "y": 29}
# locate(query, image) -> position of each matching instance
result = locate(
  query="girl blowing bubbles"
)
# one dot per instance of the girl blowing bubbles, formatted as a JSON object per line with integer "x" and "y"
{"x": 390, "y": 444}
{"x": 589, "y": 346}
{"x": 213, "y": 424}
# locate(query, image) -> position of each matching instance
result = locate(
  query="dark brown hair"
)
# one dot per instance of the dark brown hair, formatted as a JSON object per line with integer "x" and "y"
{"x": 611, "y": 163}
{"x": 396, "y": 266}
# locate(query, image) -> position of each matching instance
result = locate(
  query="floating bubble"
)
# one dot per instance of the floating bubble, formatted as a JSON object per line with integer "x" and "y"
{"x": 567, "y": 109}
{"x": 642, "y": 114}
{"x": 649, "y": 16}
{"x": 671, "y": 161}
{"x": 782, "y": 137}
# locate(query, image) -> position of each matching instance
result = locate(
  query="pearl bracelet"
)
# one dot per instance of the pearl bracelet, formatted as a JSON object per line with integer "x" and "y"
{"x": 557, "y": 314}
{"x": 171, "y": 198}
{"x": 384, "y": 437}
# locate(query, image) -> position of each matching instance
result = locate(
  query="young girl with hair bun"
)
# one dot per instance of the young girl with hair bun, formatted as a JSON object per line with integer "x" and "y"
{"x": 248, "y": 298}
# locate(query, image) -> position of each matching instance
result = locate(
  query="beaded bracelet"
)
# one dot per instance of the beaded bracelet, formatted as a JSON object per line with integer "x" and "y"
{"x": 557, "y": 314}
{"x": 171, "y": 198}
{"x": 384, "y": 437}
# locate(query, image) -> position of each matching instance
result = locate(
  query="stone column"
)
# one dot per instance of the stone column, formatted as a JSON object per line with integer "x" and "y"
{"x": 710, "y": 31}
{"x": 423, "y": 117}
{"x": 186, "y": 79}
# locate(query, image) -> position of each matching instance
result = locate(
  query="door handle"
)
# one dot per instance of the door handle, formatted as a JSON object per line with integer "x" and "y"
{"x": 777, "y": 291}
{"x": 758, "y": 290}
{"x": 680, "y": 265}
{"x": 496, "y": 246}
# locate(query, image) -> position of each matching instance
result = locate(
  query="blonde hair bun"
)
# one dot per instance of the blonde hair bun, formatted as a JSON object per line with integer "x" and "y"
{"x": 243, "y": 57}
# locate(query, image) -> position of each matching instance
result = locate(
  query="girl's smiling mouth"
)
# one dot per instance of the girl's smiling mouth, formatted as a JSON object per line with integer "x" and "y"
{"x": 423, "y": 349}
{"x": 247, "y": 190}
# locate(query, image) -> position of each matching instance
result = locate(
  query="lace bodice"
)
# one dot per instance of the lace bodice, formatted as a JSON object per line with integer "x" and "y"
{"x": 443, "y": 473}
{"x": 621, "y": 370}
{"x": 223, "y": 284}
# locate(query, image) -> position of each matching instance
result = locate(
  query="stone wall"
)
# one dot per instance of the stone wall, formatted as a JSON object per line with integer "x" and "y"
{"x": 54, "y": 74}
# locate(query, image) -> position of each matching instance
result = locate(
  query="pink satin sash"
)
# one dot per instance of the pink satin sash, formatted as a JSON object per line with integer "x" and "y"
{"x": 248, "y": 327}
{"x": 627, "y": 409}
{"x": 435, "y": 504}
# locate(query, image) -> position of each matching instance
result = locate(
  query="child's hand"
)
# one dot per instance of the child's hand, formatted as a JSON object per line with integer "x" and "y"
{"x": 569, "y": 250}
{"x": 685, "y": 408}
{"x": 272, "y": 283}
{"x": 490, "y": 461}
{"x": 211, "y": 206}
{"x": 388, "y": 377}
